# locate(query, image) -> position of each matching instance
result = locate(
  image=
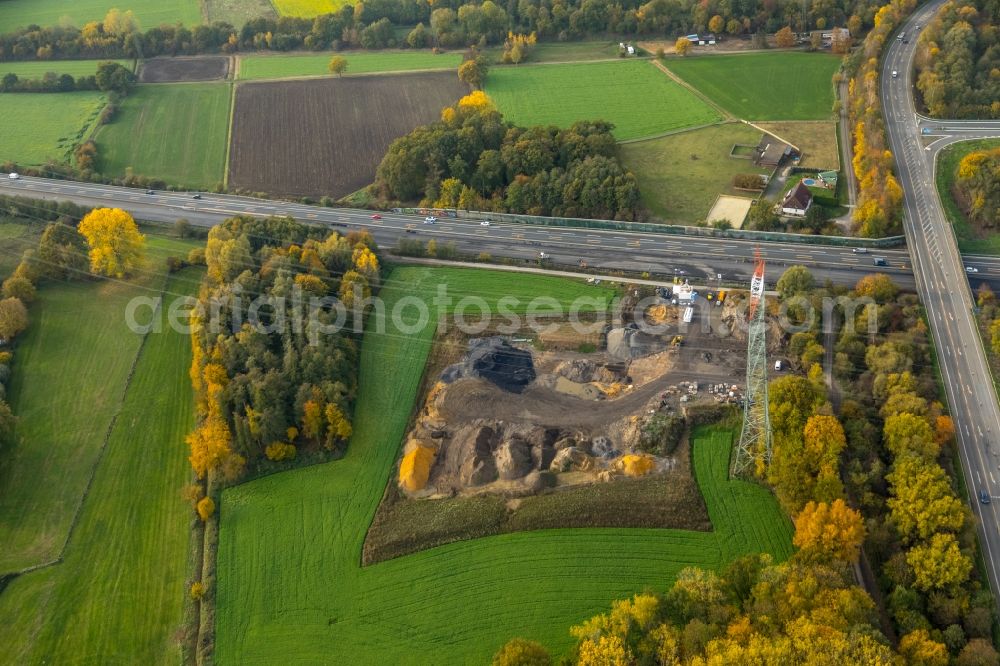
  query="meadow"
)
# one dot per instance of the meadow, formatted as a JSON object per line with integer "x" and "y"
{"x": 764, "y": 86}
{"x": 686, "y": 193}
{"x": 62, "y": 423}
{"x": 969, "y": 237}
{"x": 57, "y": 121}
{"x": 173, "y": 132}
{"x": 36, "y": 69}
{"x": 287, "y": 66}
{"x": 150, "y": 13}
{"x": 635, "y": 96}
{"x": 289, "y": 586}
{"x": 117, "y": 595}
{"x": 307, "y": 8}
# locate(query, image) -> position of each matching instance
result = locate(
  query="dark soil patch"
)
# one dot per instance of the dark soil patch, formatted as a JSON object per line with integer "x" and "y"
{"x": 173, "y": 70}
{"x": 326, "y": 137}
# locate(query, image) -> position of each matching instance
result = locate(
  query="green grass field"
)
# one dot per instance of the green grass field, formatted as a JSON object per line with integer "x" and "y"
{"x": 69, "y": 372}
{"x": 150, "y": 13}
{"x": 635, "y": 96}
{"x": 969, "y": 238}
{"x": 286, "y": 66}
{"x": 117, "y": 596}
{"x": 564, "y": 52}
{"x": 15, "y": 235}
{"x": 174, "y": 132}
{"x": 681, "y": 175}
{"x": 307, "y": 8}
{"x": 38, "y": 127}
{"x": 764, "y": 86}
{"x": 36, "y": 69}
{"x": 290, "y": 588}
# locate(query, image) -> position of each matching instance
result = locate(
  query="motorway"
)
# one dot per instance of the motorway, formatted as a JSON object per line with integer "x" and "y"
{"x": 940, "y": 277}
{"x": 701, "y": 259}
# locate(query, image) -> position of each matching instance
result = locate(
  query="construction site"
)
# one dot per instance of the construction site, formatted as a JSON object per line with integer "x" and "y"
{"x": 508, "y": 419}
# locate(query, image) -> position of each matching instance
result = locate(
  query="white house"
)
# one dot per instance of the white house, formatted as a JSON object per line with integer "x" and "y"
{"x": 797, "y": 202}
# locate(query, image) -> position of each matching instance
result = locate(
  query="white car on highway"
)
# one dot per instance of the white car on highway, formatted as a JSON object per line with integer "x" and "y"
{"x": 430, "y": 219}
{"x": 484, "y": 223}
{"x": 971, "y": 269}
{"x": 14, "y": 176}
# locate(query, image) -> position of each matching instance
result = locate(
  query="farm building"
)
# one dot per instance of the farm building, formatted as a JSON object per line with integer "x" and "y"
{"x": 771, "y": 152}
{"x": 797, "y": 201}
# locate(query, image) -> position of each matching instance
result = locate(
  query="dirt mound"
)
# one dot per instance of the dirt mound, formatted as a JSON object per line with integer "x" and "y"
{"x": 167, "y": 70}
{"x": 628, "y": 343}
{"x": 497, "y": 361}
{"x": 415, "y": 468}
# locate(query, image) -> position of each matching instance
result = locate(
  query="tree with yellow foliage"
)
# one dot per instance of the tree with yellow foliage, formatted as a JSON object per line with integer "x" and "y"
{"x": 365, "y": 262}
{"x": 338, "y": 428}
{"x": 907, "y": 433}
{"x": 716, "y": 24}
{"x": 520, "y": 652}
{"x": 477, "y": 100}
{"x": 938, "y": 564}
{"x": 827, "y": 532}
{"x": 206, "y": 507}
{"x": 211, "y": 449}
{"x": 920, "y": 650}
{"x": 682, "y": 46}
{"x": 922, "y": 503}
{"x": 337, "y": 65}
{"x": 116, "y": 246}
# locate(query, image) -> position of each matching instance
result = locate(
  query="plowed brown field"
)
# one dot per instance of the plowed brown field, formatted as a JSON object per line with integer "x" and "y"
{"x": 326, "y": 137}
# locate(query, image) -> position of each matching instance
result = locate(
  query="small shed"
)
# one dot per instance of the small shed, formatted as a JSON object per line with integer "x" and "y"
{"x": 829, "y": 179}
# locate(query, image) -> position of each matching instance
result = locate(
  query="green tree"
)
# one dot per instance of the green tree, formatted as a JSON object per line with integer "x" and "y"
{"x": 795, "y": 280}
{"x": 418, "y": 38}
{"x": 113, "y": 77}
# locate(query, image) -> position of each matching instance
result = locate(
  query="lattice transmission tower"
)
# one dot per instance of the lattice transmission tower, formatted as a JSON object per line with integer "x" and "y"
{"x": 753, "y": 453}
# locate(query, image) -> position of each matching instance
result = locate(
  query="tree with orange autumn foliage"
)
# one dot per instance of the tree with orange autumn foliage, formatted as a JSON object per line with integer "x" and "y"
{"x": 827, "y": 532}
{"x": 116, "y": 246}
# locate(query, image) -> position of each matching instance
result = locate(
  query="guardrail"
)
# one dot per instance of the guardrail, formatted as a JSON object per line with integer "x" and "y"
{"x": 665, "y": 229}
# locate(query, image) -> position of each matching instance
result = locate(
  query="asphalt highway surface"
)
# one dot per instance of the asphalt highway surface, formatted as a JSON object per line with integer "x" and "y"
{"x": 940, "y": 273}
{"x": 701, "y": 259}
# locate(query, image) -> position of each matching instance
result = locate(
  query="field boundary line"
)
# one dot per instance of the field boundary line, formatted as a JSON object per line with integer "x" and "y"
{"x": 348, "y": 75}
{"x": 681, "y": 130}
{"x": 229, "y": 134}
{"x": 702, "y": 96}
